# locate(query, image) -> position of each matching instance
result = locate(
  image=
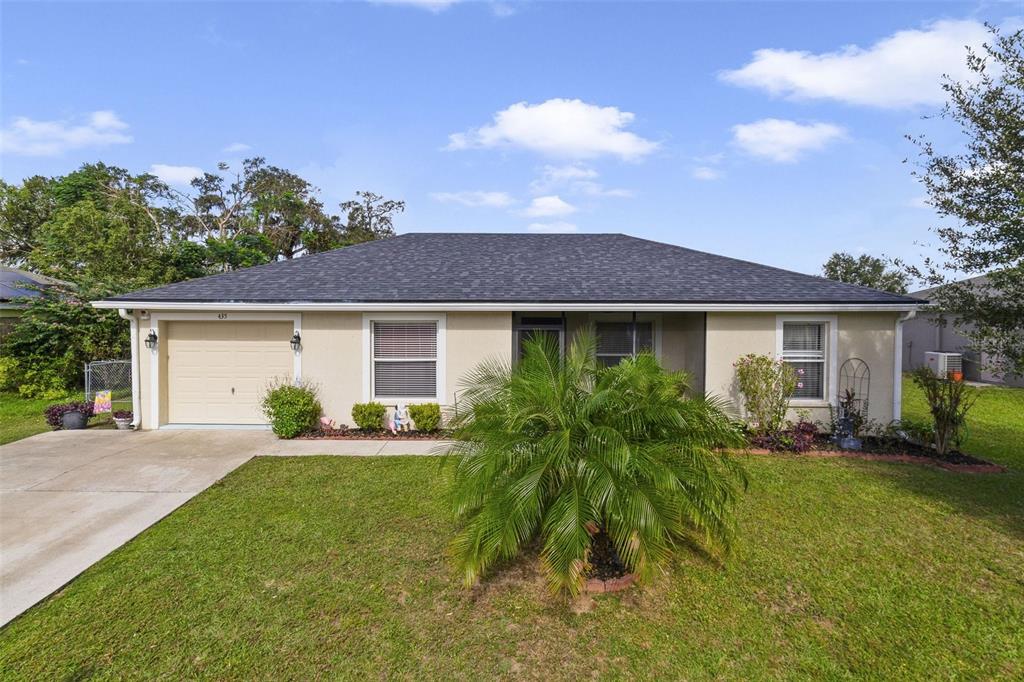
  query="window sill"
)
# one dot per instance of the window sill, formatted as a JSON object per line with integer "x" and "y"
{"x": 809, "y": 402}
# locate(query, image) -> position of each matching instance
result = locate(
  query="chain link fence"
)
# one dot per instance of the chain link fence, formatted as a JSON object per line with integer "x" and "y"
{"x": 110, "y": 375}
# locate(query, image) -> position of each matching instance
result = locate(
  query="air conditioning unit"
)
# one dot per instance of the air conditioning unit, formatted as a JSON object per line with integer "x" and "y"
{"x": 944, "y": 363}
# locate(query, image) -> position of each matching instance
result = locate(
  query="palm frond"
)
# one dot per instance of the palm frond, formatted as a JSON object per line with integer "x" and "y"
{"x": 555, "y": 444}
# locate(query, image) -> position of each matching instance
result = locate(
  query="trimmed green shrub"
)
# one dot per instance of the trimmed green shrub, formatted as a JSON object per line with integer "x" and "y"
{"x": 369, "y": 416}
{"x": 292, "y": 409}
{"x": 426, "y": 416}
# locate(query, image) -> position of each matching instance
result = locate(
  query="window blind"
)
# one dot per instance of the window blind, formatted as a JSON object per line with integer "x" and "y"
{"x": 615, "y": 340}
{"x": 803, "y": 349}
{"x": 405, "y": 359}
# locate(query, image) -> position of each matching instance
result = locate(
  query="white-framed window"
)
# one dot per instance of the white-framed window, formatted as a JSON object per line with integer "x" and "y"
{"x": 405, "y": 358}
{"x": 619, "y": 340}
{"x": 808, "y": 345}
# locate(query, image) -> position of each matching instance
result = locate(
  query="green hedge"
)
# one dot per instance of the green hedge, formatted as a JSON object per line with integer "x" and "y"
{"x": 292, "y": 410}
{"x": 426, "y": 416}
{"x": 369, "y": 416}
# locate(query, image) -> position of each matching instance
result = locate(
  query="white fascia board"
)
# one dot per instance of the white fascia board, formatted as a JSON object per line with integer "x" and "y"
{"x": 518, "y": 306}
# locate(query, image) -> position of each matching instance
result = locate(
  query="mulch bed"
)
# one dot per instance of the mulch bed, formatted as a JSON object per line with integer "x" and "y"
{"x": 607, "y": 573}
{"x": 907, "y": 453}
{"x": 359, "y": 434}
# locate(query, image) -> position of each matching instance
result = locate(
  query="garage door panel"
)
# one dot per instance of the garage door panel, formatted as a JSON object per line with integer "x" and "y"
{"x": 206, "y": 360}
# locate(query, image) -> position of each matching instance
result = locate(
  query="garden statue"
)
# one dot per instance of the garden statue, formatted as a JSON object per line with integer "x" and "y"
{"x": 400, "y": 420}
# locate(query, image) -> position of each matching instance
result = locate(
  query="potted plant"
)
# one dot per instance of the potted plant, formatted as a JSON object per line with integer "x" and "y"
{"x": 68, "y": 415}
{"x": 123, "y": 419}
{"x": 851, "y": 419}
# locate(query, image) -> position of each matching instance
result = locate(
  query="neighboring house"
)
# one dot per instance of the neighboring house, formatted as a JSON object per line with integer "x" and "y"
{"x": 15, "y": 286}
{"x": 933, "y": 331}
{"x": 405, "y": 319}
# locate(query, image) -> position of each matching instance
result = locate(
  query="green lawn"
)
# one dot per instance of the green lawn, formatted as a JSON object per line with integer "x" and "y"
{"x": 334, "y": 567}
{"x": 21, "y": 418}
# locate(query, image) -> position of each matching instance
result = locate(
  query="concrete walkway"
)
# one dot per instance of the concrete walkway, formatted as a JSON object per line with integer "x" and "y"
{"x": 68, "y": 498}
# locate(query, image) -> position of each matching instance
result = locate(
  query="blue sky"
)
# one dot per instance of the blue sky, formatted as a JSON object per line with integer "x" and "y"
{"x": 771, "y": 132}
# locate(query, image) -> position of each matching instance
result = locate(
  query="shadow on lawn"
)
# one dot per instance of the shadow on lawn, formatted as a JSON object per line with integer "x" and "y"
{"x": 995, "y": 498}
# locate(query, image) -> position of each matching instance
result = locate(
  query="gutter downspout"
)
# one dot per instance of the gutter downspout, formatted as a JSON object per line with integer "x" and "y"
{"x": 897, "y": 366}
{"x": 136, "y": 397}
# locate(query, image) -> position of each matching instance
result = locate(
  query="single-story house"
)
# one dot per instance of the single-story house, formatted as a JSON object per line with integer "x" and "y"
{"x": 404, "y": 319}
{"x": 15, "y": 286}
{"x": 937, "y": 331}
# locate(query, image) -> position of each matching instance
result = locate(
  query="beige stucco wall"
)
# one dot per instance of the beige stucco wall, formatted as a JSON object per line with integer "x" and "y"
{"x": 868, "y": 336}
{"x": 332, "y": 354}
{"x": 332, "y": 358}
{"x": 472, "y": 338}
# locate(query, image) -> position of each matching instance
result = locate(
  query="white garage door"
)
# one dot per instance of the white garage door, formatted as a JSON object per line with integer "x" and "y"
{"x": 216, "y": 371}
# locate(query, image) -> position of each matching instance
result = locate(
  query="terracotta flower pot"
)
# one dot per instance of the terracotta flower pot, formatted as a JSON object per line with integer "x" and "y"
{"x": 956, "y": 376}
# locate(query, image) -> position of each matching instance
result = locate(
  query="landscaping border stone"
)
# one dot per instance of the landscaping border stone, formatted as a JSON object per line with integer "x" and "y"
{"x": 598, "y": 586}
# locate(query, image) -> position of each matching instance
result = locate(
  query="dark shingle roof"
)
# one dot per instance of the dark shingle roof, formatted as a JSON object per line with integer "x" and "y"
{"x": 553, "y": 268}
{"x": 15, "y": 283}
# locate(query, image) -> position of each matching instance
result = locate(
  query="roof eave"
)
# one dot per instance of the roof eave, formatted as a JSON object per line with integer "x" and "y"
{"x": 515, "y": 306}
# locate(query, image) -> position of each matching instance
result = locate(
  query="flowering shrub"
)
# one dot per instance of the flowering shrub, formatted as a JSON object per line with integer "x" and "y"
{"x": 54, "y": 413}
{"x": 766, "y": 385}
{"x": 123, "y": 414}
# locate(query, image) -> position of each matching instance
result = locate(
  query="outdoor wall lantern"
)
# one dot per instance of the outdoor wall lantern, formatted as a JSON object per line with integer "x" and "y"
{"x": 151, "y": 340}
{"x": 296, "y": 342}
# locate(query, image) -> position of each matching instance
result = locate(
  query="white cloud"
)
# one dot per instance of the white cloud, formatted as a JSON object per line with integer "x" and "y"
{"x": 27, "y": 137}
{"x": 553, "y": 175}
{"x": 434, "y": 6}
{"x": 706, "y": 173}
{"x": 502, "y": 9}
{"x": 901, "y": 70}
{"x": 490, "y": 199}
{"x": 569, "y": 128}
{"x": 784, "y": 141}
{"x": 596, "y": 189}
{"x": 175, "y": 175}
{"x": 236, "y": 147}
{"x": 552, "y": 228}
{"x": 543, "y": 207}
{"x": 576, "y": 178}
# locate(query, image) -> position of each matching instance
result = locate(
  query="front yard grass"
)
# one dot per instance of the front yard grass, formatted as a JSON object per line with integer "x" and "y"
{"x": 21, "y": 417}
{"x": 334, "y": 567}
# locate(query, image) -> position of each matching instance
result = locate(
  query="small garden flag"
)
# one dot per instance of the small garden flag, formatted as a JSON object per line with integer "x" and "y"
{"x": 101, "y": 403}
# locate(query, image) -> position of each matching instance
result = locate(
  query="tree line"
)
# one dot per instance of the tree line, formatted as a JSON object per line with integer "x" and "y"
{"x": 102, "y": 231}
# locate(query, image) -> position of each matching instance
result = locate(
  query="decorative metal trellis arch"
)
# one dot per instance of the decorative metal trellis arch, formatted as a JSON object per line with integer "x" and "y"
{"x": 854, "y": 385}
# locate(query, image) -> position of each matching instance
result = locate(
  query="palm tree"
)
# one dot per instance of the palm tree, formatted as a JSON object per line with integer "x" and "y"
{"x": 555, "y": 446}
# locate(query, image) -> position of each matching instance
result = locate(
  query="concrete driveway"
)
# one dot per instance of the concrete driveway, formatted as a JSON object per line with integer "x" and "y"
{"x": 68, "y": 498}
